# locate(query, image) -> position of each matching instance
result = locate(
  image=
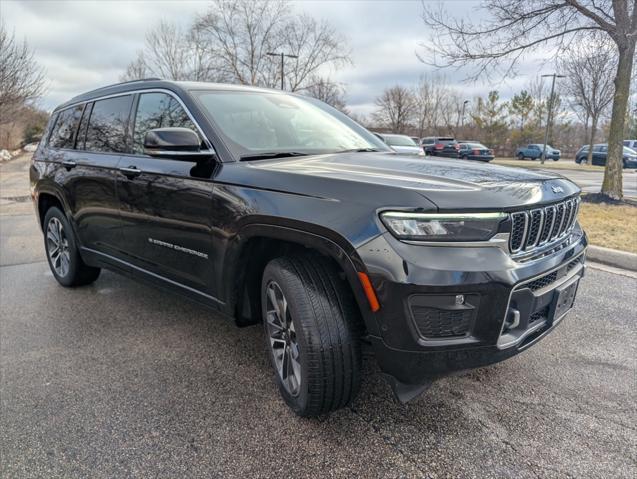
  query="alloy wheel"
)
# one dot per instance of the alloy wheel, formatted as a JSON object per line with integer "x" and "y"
{"x": 58, "y": 247}
{"x": 282, "y": 339}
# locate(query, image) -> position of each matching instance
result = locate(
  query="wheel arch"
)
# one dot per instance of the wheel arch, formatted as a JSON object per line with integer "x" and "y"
{"x": 45, "y": 199}
{"x": 257, "y": 244}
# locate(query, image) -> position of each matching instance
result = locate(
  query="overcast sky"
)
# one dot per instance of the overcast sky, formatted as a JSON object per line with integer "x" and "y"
{"x": 84, "y": 45}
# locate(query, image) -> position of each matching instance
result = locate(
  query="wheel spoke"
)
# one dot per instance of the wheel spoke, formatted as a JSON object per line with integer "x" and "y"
{"x": 273, "y": 301}
{"x": 52, "y": 237}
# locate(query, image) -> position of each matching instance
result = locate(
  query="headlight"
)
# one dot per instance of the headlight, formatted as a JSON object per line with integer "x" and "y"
{"x": 442, "y": 226}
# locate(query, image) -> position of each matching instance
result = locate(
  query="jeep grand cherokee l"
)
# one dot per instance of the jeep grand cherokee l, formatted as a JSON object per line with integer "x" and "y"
{"x": 275, "y": 208}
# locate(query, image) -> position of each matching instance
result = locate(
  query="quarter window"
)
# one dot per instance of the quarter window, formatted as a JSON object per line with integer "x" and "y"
{"x": 107, "y": 126}
{"x": 63, "y": 134}
{"x": 158, "y": 110}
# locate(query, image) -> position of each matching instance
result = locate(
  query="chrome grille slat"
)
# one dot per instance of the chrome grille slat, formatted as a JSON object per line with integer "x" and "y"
{"x": 541, "y": 226}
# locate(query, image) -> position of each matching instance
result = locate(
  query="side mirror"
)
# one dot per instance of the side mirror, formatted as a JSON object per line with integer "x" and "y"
{"x": 175, "y": 144}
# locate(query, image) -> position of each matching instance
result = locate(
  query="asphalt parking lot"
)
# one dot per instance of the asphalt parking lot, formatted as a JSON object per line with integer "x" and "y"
{"x": 122, "y": 380}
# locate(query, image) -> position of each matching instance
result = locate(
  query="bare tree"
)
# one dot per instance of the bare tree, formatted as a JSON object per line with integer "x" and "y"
{"x": 172, "y": 54}
{"x": 21, "y": 78}
{"x": 327, "y": 91}
{"x": 396, "y": 108}
{"x": 240, "y": 33}
{"x": 430, "y": 94}
{"x": 515, "y": 28}
{"x": 588, "y": 83}
{"x": 315, "y": 45}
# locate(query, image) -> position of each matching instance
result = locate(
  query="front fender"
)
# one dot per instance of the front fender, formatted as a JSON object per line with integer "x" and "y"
{"x": 310, "y": 236}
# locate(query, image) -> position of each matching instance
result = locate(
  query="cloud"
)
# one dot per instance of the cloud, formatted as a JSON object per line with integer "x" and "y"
{"x": 85, "y": 45}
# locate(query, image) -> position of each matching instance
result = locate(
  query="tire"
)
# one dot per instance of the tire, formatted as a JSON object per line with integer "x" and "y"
{"x": 465, "y": 157}
{"x": 520, "y": 157}
{"x": 320, "y": 329}
{"x": 578, "y": 161}
{"x": 67, "y": 265}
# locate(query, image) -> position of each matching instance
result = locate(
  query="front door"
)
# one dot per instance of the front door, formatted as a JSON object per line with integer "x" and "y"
{"x": 165, "y": 204}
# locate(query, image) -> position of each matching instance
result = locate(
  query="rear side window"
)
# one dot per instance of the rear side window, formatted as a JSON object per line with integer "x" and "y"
{"x": 107, "y": 125}
{"x": 158, "y": 110}
{"x": 63, "y": 134}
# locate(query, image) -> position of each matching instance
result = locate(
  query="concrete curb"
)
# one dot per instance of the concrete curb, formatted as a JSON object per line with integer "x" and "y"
{"x": 612, "y": 257}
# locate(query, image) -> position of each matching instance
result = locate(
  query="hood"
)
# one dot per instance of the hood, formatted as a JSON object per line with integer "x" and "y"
{"x": 448, "y": 183}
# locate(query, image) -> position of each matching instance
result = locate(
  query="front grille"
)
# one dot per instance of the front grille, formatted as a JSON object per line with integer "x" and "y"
{"x": 436, "y": 323}
{"x": 444, "y": 316}
{"x": 543, "y": 281}
{"x": 552, "y": 277}
{"x": 538, "y": 315}
{"x": 535, "y": 228}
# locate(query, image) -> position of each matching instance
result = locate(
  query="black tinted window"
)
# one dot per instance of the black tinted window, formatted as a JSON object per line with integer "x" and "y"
{"x": 107, "y": 125}
{"x": 63, "y": 134}
{"x": 158, "y": 110}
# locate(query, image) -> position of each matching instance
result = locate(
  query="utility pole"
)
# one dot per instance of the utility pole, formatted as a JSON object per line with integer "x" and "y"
{"x": 549, "y": 113}
{"x": 283, "y": 56}
{"x": 464, "y": 105}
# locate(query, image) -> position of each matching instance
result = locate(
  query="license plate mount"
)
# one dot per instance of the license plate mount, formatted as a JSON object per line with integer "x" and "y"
{"x": 563, "y": 299}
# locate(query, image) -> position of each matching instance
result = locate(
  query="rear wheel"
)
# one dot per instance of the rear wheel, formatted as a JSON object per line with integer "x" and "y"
{"x": 62, "y": 252}
{"x": 310, "y": 320}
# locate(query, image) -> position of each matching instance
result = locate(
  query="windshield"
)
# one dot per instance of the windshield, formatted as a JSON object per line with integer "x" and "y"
{"x": 629, "y": 151}
{"x": 399, "y": 140}
{"x": 254, "y": 123}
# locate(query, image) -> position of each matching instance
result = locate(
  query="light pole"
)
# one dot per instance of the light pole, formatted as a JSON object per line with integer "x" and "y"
{"x": 282, "y": 55}
{"x": 549, "y": 113}
{"x": 464, "y": 106}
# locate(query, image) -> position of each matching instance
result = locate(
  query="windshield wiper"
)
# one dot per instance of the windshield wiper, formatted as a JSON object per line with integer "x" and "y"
{"x": 271, "y": 154}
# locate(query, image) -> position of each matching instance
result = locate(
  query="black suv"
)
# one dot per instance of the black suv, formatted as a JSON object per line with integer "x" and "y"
{"x": 440, "y": 146}
{"x": 276, "y": 208}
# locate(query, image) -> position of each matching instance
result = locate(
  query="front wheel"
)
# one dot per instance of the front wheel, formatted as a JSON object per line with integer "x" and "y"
{"x": 62, "y": 251}
{"x": 310, "y": 320}
{"x": 520, "y": 156}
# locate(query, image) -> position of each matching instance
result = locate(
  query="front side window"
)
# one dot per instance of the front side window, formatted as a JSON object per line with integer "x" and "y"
{"x": 106, "y": 130}
{"x": 157, "y": 110}
{"x": 63, "y": 134}
{"x": 254, "y": 123}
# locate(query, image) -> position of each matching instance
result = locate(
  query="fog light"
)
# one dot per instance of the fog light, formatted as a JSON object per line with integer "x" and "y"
{"x": 459, "y": 299}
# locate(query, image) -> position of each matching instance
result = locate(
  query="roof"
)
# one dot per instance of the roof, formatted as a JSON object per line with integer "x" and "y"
{"x": 177, "y": 86}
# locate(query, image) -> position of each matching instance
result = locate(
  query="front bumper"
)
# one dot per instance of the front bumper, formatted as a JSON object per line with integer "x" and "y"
{"x": 448, "y": 309}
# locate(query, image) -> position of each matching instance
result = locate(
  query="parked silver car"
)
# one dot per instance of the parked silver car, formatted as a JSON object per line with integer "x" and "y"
{"x": 401, "y": 144}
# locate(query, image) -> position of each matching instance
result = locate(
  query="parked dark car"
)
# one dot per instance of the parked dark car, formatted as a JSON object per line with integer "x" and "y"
{"x": 276, "y": 208}
{"x": 534, "y": 151}
{"x": 440, "y": 146}
{"x": 474, "y": 151}
{"x": 600, "y": 153}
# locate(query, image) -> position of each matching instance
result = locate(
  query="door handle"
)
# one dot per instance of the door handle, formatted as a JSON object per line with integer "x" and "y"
{"x": 69, "y": 164}
{"x": 130, "y": 171}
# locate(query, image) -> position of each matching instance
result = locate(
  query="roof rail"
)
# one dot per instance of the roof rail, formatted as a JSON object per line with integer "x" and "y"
{"x": 116, "y": 84}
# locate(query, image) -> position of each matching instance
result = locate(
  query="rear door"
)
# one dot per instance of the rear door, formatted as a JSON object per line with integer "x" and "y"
{"x": 599, "y": 155}
{"x": 166, "y": 204}
{"x": 90, "y": 170}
